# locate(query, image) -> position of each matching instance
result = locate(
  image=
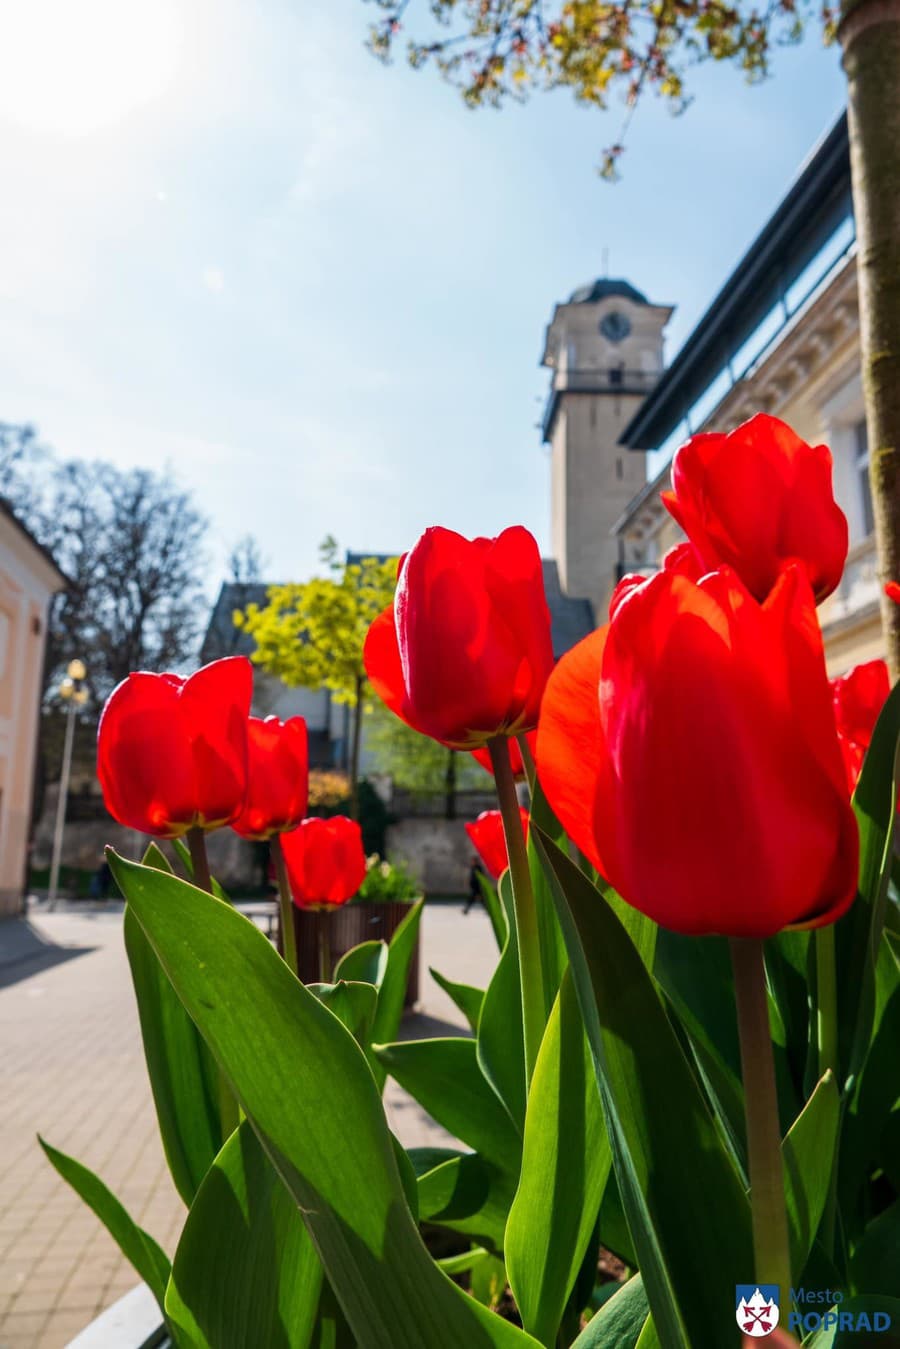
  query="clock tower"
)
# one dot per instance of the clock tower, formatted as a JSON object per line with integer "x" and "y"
{"x": 604, "y": 347}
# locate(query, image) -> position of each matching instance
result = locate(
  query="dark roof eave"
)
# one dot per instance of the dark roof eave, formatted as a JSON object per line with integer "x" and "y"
{"x": 801, "y": 224}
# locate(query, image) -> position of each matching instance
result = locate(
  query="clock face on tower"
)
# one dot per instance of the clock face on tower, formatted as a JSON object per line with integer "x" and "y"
{"x": 615, "y": 326}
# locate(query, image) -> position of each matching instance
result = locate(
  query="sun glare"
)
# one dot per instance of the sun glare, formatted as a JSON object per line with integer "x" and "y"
{"x": 72, "y": 68}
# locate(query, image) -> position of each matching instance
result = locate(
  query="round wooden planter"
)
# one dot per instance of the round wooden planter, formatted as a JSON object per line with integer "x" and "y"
{"x": 345, "y": 928}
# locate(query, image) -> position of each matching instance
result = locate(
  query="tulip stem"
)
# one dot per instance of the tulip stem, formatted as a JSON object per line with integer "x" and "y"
{"x": 827, "y": 1035}
{"x": 286, "y": 907}
{"x": 199, "y": 861}
{"x": 528, "y": 761}
{"x": 325, "y": 970}
{"x": 826, "y": 1000}
{"x": 532, "y": 979}
{"x": 771, "y": 1248}
{"x": 229, "y": 1111}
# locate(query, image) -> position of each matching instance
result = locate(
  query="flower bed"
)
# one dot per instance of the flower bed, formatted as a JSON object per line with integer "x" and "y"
{"x": 688, "y": 1051}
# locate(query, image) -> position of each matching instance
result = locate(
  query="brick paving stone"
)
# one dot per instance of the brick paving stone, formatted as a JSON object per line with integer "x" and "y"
{"x": 74, "y": 1071}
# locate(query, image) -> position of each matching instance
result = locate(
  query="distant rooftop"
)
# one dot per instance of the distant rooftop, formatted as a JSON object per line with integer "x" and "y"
{"x": 222, "y": 637}
{"x": 604, "y": 288}
{"x": 570, "y": 618}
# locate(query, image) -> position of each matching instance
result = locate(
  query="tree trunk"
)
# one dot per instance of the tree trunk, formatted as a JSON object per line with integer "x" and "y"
{"x": 354, "y": 752}
{"x": 450, "y": 786}
{"x": 870, "y": 37}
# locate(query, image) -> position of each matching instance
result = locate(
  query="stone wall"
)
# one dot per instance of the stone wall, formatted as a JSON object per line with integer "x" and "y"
{"x": 437, "y": 852}
{"x": 232, "y": 860}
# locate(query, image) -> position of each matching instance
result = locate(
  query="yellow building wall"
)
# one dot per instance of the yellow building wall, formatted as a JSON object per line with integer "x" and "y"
{"x": 27, "y": 582}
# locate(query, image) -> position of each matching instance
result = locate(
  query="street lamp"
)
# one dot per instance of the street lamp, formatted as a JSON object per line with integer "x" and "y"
{"x": 73, "y": 692}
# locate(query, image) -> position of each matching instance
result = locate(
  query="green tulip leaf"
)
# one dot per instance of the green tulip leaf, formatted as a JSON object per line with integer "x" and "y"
{"x": 184, "y": 855}
{"x": 867, "y": 1306}
{"x": 487, "y": 1280}
{"x": 565, "y": 1165}
{"x": 494, "y": 909}
{"x": 696, "y": 978}
{"x": 876, "y": 1260}
{"x": 444, "y": 1077}
{"x": 554, "y": 958}
{"x": 619, "y": 1322}
{"x": 423, "y": 1160}
{"x": 788, "y": 973}
{"x": 469, "y": 1000}
{"x": 353, "y": 1004}
{"x": 245, "y": 1271}
{"x": 144, "y": 1254}
{"x": 392, "y": 990}
{"x": 809, "y": 1158}
{"x": 363, "y": 964}
{"x": 649, "y": 1338}
{"x": 183, "y": 1075}
{"x": 501, "y": 1044}
{"x": 466, "y": 1194}
{"x": 675, "y": 1173}
{"x": 871, "y": 1096}
{"x": 858, "y": 933}
{"x": 307, "y": 1089}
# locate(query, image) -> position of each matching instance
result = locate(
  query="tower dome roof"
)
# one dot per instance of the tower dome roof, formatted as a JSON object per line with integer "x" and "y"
{"x": 603, "y": 288}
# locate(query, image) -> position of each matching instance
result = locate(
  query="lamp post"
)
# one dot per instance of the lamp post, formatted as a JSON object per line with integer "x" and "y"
{"x": 74, "y": 694}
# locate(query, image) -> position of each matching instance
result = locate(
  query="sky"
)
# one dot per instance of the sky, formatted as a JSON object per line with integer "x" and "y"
{"x": 235, "y": 247}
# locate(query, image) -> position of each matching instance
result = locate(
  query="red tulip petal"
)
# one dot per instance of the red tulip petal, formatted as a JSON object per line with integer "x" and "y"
{"x": 381, "y": 656}
{"x": 570, "y": 743}
{"x": 758, "y": 498}
{"x": 726, "y": 817}
{"x": 488, "y": 838}
{"x": 470, "y": 670}
{"x": 277, "y": 777}
{"x": 859, "y": 696}
{"x": 215, "y": 706}
{"x": 514, "y": 577}
{"x": 144, "y": 759}
{"x": 325, "y": 861}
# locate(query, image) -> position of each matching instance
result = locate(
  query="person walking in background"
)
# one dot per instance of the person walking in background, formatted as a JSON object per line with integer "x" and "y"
{"x": 476, "y": 870}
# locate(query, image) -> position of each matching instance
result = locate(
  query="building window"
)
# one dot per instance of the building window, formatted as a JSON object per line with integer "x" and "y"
{"x": 862, "y": 471}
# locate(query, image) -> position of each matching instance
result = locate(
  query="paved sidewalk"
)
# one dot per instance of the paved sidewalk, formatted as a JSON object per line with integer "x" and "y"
{"x": 73, "y": 1069}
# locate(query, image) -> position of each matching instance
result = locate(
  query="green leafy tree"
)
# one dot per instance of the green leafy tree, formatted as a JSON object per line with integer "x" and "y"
{"x": 497, "y": 50}
{"x": 420, "y": 764}
{"x": 312, "y": 633}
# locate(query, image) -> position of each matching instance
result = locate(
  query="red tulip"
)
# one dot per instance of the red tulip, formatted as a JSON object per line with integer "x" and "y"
{"x": 757, "y": 498}
{"x": 172, "y": 752}
{"x": 683, "y": 560}
{"x": 325, "y": 862}
{"x": 489, "y": 841}
{"x": 277, "y": 777}
{"x": 892, "y": 590}
{"x": 483, "y": 756}
{"x": 690, "y": 750}
{"x": 859, "y": 697}
{"x": 464, "y": 652}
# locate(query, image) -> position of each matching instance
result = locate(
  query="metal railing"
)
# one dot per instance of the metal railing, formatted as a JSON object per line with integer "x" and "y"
{"x": 596, "y": 379}
{"x": 604, "y": 379}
